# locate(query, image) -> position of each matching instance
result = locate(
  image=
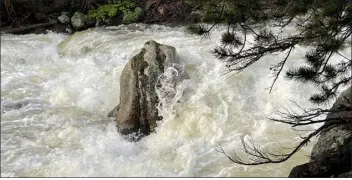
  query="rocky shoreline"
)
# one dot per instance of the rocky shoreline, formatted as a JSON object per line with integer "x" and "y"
{"x": 69, "y": 18}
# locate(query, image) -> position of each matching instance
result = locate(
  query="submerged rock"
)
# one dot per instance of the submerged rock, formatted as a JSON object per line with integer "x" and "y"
{"x": 137, "y": 111}
{"x": 332, "y": 154}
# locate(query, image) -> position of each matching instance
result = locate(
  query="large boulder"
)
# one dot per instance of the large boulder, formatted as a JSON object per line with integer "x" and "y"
{"x": 331, "y": 155}
{"x": 139, "y": 81}
{"x": 336, "y": 136}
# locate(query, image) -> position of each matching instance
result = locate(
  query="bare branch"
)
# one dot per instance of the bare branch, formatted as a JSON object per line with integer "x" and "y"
{"x": 281, "y": 64}
{"x": 342, "y": 56}
{"x": 258, "y": 157}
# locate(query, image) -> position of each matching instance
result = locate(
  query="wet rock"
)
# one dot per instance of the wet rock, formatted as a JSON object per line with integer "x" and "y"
{"x": 60, "y": 28}
{"x": 114, "y": 111}
{"x": 137, "y": 111}
{"x": 69, "y": 30}
{"x": 64, "y": 19}
{"x": 78, "y": 21}
{"x": 331, "y": 155}
{"x": 66, "y": 13}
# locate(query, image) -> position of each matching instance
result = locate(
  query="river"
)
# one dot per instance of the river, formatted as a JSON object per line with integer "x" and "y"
{"x": 56, "y": 92}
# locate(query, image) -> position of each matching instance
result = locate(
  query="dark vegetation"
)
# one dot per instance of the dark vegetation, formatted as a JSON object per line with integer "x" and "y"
{"x": 16, "y": 13}
{"x": 22, "y": 13}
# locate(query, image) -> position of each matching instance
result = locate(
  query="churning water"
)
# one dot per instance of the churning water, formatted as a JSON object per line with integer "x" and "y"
{"x": 56, "y": 92}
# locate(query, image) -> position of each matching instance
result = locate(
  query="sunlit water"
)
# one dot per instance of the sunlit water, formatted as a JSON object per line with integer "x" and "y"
{"x": 56, "y": 92}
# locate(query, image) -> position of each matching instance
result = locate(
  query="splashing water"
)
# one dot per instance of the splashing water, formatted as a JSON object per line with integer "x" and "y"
{"x": 57, "y": 90}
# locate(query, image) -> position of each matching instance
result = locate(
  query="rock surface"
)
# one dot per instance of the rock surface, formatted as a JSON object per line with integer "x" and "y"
{"x": 332, "y": 154}
{"x": 330, "y": 163}
{"x": 333, "y": 138}
{"x": 78, "y": 21}
{"x": 64, "y": 19}
{"x": 137, "y": 111}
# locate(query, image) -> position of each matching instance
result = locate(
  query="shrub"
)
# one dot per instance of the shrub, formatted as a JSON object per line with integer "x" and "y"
{"x": 129, "y": 16}
{"x": 104, "y": 12}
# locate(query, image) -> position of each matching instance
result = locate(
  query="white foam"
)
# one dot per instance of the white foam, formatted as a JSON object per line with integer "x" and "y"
{"x": 71, "y": 83}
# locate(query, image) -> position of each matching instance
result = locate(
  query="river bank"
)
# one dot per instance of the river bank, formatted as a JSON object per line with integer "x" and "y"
{"x": 23, "y": 17}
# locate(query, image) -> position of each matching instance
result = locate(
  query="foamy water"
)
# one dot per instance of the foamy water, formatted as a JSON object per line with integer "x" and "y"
{"x": 56, "y": 92}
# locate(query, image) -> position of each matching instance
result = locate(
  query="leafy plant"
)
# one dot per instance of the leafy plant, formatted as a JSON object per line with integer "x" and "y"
{"x": 129, "y": 16}
{"x": 104, "y": 12}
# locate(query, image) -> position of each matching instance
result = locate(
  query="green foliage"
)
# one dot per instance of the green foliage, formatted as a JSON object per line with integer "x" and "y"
{"x": 129, "y": 16}
{"x": 103, "y": 12}
{"x": 114, "y": 7}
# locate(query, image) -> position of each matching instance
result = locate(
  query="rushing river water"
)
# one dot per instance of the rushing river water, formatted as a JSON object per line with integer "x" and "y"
{"x": 56, "y": 92}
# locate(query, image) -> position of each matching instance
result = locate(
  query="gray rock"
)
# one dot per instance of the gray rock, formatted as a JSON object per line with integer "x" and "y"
{"x": 114, "y": 111}
{"x": 64, "y": 19}
{"x": 65, "y": 13}
{"x": 331, "y": 156}
{"x": 337, "y": 136}
{"x": 330, "y": 163}
{"x": 137, "y": 111}
{"x": 69, "y": 30}
{"x": 78, "y": 20}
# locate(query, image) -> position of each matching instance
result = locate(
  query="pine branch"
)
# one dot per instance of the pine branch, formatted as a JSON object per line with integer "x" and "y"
{"x": 281, "y": 64}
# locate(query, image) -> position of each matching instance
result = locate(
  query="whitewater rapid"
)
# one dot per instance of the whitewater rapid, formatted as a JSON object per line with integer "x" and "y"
{"x": 56, "y": 92}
